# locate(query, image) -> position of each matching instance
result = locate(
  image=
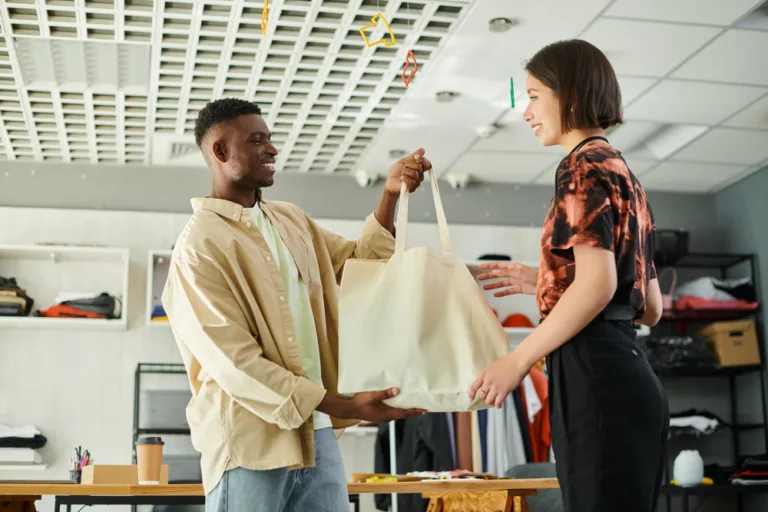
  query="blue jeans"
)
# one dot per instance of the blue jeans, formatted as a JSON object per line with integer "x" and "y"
{"x": 322, "y": 488}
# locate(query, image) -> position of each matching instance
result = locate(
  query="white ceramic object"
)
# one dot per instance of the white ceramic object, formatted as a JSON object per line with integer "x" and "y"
{"x": 688, "y": 469}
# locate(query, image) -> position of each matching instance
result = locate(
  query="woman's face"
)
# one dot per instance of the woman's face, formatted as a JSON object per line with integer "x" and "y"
{"x": 543, "y": 112}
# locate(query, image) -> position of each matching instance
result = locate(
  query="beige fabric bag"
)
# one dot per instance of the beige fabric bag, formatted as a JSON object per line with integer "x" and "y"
{"x": 418, "y": 322}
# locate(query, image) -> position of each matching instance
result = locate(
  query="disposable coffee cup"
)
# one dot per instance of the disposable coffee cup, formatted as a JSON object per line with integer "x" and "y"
{"x": 149, "y": 456}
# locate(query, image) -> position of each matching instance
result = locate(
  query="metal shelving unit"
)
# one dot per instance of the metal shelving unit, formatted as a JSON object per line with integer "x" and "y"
{"x": 156, "y": 369}
{"x": 680, "y": 320}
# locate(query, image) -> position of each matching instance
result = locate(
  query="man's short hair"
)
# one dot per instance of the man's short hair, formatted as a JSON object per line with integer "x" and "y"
{"x": 584, "y": 82}
{"x": 221, "y": 111}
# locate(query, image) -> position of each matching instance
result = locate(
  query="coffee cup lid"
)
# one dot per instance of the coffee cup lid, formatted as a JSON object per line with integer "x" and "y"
{"x": 149, "y": 440}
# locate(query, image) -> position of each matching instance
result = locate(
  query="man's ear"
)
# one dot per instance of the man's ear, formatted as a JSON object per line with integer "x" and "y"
{"x": 219, "y": 150}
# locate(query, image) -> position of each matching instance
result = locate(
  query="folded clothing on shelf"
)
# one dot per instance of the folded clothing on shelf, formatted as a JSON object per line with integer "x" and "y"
{"x": 27, "y": 436}
{"x": 14, "y": 301}
{"x": 670, "y": 352}
{"x": 694, "y": 421}
{"x": 713, "y": 289}
{"x": 753, "y": 471}
{"x": 100, "y": 306}
{"x": 20, "y": 456}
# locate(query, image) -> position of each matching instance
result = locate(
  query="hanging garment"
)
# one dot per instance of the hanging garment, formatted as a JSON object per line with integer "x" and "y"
{"x": 418, "y": 322}
{"x": 477, "y": 451}
{"x": 498, "y": 460}
{"x": 452, "y": 434}
{"x": 482, "y": 425}
{"x": 463, "y": 424}
{"x": 514, "y": 438}
{"x": 522, "y": 419}
{"x": 541, "y": 437}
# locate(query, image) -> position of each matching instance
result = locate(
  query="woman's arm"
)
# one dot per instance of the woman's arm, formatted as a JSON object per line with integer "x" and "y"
{"x": 653, "y": 304}
{"x": 592, "y": 289}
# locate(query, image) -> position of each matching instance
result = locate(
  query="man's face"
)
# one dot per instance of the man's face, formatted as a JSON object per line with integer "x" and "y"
{"x": 247, "y": 156}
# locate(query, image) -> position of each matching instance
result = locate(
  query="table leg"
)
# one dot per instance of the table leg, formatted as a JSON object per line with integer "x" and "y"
{"x": 516, "y": 504}
{"x": 435, "y": 505}
{"x": 18, "y": 503}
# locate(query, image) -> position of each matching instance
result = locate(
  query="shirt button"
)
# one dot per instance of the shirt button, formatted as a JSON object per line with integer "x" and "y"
{"x": 248, "y": 224}
{"x": 234, "y": 215}
{"x": 290, "y": 338}
{"x": 269, "y": 258}
{"x": 282, "y": 299}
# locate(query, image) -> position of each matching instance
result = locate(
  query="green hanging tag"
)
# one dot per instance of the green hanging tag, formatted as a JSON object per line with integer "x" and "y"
{"x": 512, "y": 92}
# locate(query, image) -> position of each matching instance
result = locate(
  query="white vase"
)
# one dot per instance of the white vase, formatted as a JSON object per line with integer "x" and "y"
{"x": 688, "y": 468}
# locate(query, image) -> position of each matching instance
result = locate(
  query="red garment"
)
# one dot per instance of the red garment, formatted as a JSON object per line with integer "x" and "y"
{"x": 541, "y": 436}
{"x": 693, "y": 302}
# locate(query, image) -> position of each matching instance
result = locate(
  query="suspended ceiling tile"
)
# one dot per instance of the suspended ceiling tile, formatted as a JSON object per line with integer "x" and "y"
{"x": 645, "y": 48}
{"x": 711, "y": 12}
{"x": 690, "y": 176}
{"x": 683, "y": 101}
{"x": 727, "y": 145}
{"x": 737, "y": 56}
{"x": 756, "y": 116}
{"x": 504, "y": 167}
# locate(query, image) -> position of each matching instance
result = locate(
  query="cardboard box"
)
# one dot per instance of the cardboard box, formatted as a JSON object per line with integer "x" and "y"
{"x": 735, "y": 343}
{"x": 103, "y": 474}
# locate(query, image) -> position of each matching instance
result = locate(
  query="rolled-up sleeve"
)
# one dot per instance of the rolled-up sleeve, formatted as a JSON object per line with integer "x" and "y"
{"x": 207, "y": 319}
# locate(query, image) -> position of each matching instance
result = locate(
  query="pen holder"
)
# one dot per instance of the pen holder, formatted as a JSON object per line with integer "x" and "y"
{"x": 75, "y": 475}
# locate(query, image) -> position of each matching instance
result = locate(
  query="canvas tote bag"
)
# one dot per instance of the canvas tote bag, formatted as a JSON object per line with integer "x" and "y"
{"x": 418, "y": 321}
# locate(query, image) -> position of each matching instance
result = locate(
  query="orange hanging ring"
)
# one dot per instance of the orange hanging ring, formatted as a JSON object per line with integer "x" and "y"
{"x": 409, "y": 58}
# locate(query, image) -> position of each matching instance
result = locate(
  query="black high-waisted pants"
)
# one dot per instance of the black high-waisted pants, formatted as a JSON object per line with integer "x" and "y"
{"x": 609, "y": 420}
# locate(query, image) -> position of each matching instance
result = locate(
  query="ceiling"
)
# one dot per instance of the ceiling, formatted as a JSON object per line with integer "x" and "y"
{"x": 120, "y": 82}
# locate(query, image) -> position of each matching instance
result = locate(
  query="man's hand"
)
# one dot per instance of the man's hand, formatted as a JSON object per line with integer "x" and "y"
{"x": 499, "y": 379}
{"x": 409, "y": 169}
{"x": 520, "y": 279}
{"x": 366, "y": 406}
{"x": 369, "y": 407}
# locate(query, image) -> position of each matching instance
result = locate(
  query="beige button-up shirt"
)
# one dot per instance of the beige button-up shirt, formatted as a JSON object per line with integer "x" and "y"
{"x": 227, "y": 306}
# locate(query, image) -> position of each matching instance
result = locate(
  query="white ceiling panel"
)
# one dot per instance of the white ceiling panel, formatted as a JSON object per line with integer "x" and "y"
{"x": 737, "y": 56}
{"x": 639, "y": 165}
{"x": 632, "y": 87}
{"x": 647, "y": 48}
{"x": 711, "y": 12}
{"x": 727, "y": 145}
{"x": 679, "y": 101}
{"x": 504, "y": 167}
{"x": 689, "y": 176}
{"x": 515, "y": 136}
{"x": 756, "y": 116}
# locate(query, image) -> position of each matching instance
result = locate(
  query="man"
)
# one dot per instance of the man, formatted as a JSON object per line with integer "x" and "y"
{"x": 252, "y": 297}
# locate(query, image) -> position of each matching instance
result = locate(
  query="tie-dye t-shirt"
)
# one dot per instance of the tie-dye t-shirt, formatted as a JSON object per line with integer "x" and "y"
{"x": 599, "y": 203}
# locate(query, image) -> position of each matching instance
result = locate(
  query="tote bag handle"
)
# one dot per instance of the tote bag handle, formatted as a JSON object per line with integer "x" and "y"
{"x": 402, "y": 218}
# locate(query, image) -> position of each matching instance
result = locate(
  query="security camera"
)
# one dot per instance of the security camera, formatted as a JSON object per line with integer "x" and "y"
{"x": 365, "y": 179}
{"x": 458, "y": 181}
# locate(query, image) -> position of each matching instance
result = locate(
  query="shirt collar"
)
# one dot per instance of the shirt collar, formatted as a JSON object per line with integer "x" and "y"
{"x": 222, "y": 207}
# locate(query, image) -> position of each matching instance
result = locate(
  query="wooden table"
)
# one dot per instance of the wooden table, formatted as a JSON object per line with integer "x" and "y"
{"x": 505, "y": 495}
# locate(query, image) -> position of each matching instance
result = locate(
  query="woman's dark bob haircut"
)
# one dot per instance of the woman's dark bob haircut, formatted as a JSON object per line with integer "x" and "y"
{"x": 584, "y": 81}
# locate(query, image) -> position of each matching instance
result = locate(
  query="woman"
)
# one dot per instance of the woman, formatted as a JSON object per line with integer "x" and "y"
{"x": 609, "y": 416}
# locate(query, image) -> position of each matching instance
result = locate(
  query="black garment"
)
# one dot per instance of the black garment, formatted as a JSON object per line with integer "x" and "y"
{"x": 522, "y": 419}
{"x": 425, "y": 446}
{"x": 23, "y": 442}
{"x": 609, "y": 418}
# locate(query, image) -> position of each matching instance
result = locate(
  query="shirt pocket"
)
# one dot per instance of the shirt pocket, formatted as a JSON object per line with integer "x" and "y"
{"x": 311, "y": 269}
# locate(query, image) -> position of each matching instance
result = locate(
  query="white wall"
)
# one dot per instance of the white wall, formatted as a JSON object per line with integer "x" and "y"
{"x": 77, "y": 386}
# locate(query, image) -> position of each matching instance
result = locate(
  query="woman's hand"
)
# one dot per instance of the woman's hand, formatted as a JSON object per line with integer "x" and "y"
{"x": 519, "y": 278}
{"x": 499, "y": 379}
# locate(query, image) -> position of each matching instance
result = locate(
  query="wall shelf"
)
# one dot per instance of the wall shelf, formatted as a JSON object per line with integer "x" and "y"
{"x": 45, "y": 271}
{"x": 157, "y": 272}
{"x": 23, "y": 467}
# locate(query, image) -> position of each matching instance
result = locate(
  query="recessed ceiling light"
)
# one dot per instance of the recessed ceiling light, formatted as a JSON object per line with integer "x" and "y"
{"x": 501, "y": 24}
{"x": 446, "y": 96}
